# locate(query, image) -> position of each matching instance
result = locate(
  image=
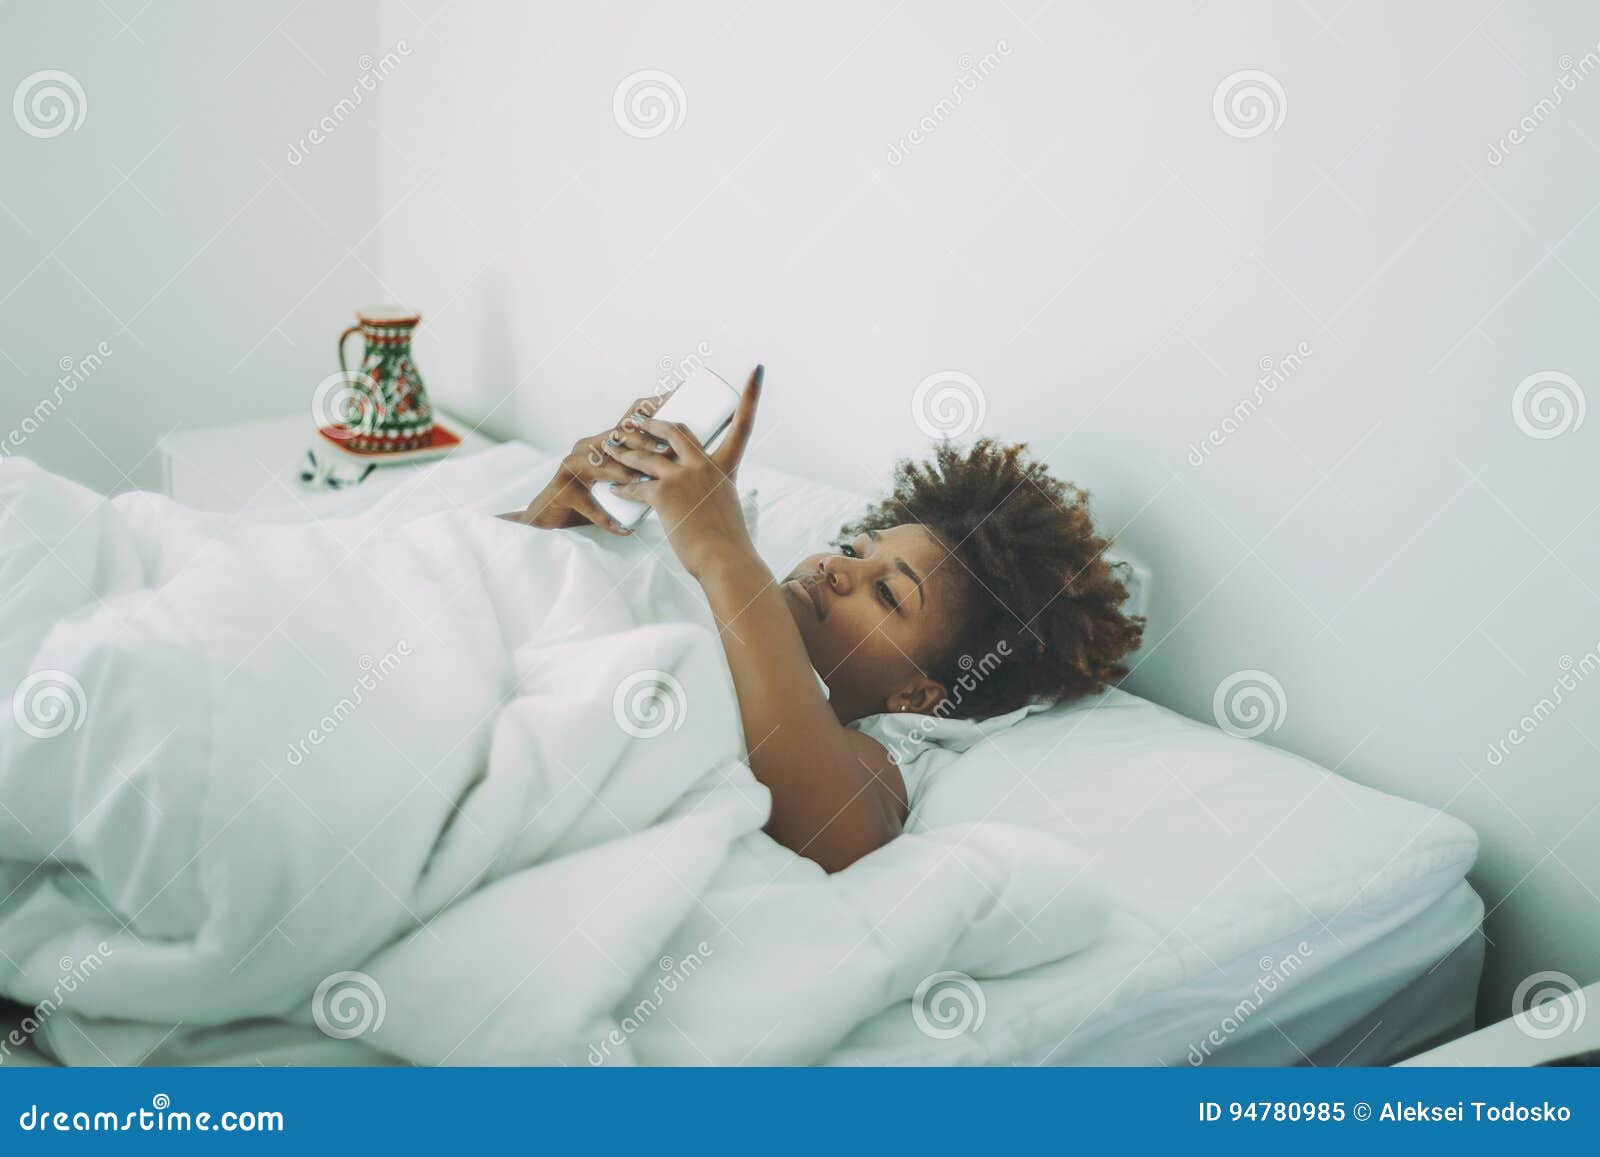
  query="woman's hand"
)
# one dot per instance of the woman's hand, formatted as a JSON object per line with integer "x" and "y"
{"x": 565, "y": 502}
{"x": 692, "y": 490}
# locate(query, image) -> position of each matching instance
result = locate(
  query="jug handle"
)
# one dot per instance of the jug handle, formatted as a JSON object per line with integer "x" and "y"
{"x": 343, "y": 369}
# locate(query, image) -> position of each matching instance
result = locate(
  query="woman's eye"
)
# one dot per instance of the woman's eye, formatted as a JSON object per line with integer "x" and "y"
{"x": 847, "y": 550}
{"x": 887, "y": 595}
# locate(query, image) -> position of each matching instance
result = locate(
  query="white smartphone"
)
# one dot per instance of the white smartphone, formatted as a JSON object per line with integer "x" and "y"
{"x": 706, "y": 404}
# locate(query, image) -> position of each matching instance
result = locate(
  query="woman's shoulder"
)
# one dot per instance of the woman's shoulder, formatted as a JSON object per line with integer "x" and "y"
{"x": 908, "y": 742}
{"x": 902, "y": 734}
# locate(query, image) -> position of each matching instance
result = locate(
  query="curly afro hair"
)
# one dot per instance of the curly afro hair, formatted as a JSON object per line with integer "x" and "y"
{"x": 1034, "y": 585}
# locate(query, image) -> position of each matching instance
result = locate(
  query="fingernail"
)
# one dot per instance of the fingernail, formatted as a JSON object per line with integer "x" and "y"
{"x": 662, "y": 447}
{"x": 761, "y": 374}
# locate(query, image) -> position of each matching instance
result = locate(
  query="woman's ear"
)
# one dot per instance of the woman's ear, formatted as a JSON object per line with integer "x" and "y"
{"x": 921, "y": 695}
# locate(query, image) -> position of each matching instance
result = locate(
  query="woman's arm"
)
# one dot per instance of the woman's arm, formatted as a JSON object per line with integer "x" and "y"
{"x": 835, "y": 794}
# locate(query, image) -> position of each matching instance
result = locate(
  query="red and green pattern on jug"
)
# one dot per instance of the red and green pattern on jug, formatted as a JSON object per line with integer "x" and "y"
{"x": 394, "y": 413}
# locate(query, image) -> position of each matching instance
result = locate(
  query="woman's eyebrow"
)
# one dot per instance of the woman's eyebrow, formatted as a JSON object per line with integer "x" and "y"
{"x": 922, "y": 599}
{"x": 900, "y": 564}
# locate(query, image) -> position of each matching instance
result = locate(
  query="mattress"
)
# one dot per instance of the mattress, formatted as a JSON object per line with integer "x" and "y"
{"x": 1391, "y": 989}
{"x": 1265, "y": 911}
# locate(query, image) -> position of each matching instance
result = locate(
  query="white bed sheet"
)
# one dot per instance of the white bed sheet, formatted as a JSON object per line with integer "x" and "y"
{"x": 1390, "y": 950}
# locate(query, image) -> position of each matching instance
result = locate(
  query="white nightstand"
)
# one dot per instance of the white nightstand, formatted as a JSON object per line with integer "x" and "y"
{"x": 1572, "y": 1023}
{"x": 227, "y": 469}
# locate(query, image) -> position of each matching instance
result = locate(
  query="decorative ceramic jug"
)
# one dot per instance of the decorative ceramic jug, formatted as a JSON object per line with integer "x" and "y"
{"x": 391, "y": 412}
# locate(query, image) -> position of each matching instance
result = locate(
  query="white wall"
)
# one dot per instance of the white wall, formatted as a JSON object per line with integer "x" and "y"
{"x": 170, "y": 224}
{"x": 1111, "y": 268}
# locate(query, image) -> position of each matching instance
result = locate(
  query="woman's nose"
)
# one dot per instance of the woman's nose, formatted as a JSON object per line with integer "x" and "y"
{"x": 836, "y": 574}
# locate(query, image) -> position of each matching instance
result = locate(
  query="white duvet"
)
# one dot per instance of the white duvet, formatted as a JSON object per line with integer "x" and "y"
{"x": 443, "y": 787}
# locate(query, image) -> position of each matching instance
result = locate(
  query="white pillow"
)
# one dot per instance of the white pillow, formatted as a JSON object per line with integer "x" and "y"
{"x": 1174, "y": 811}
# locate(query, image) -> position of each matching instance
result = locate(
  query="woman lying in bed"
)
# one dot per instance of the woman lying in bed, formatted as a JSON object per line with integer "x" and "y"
{"x": 976, "y": 553}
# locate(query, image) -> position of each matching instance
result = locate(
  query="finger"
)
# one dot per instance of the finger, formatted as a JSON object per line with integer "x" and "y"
{"x": 599, "y": 466}
{"x": 643, "y": 491}
{"x": 633, "y": 423}
{"x": 641, "y": 461}
{"x": 583, "y": 502}
{"x": 731, "y": 452}
{"x": 647, "y": 405}
{"x": 610, "y": 470}
{"x": 636, "y": 439}
{"x": 676, "y": 435}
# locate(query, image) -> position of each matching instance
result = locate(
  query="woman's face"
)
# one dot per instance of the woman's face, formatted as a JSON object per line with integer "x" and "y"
{"x": 876, "y": 616}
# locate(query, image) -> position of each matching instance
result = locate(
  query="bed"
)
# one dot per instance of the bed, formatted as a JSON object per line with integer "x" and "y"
{"x": 1266, "y": 911}
{"x": 1261, "y": 909}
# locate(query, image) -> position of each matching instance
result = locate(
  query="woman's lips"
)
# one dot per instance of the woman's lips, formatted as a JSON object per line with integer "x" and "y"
{"x": 805, "y": 590}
